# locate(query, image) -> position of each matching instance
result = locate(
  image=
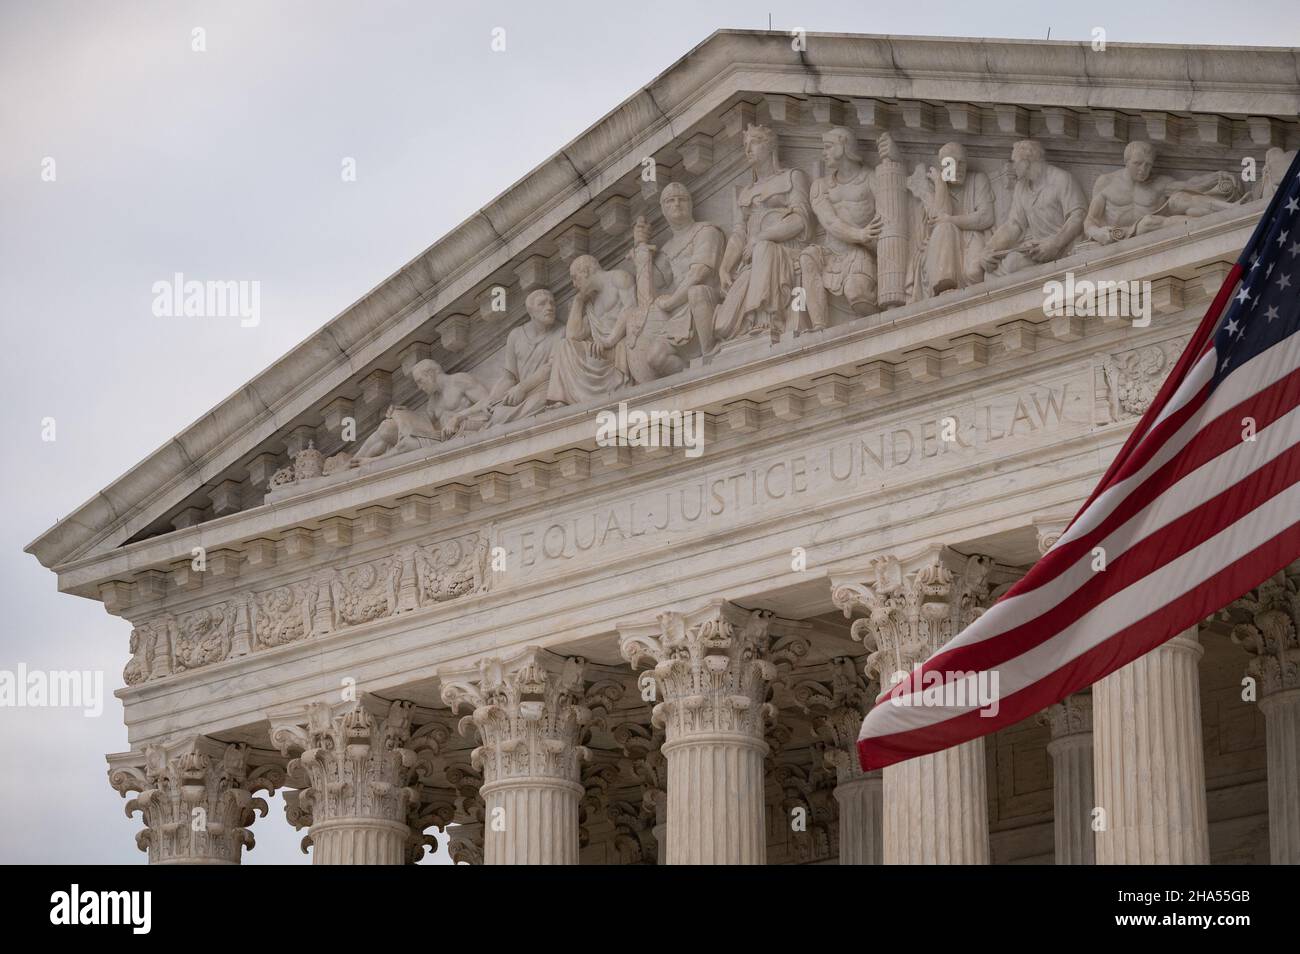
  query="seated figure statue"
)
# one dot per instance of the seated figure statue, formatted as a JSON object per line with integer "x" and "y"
{"x": 1130, "y": 201}
{"x": 1046, "y": 216}
{"x": 773, "y": 224}
{"x": 683, "y": 282}
{"x": 520, "y": 391}
{"x": 958, "y": 209}
{"x": 591, "y": 360}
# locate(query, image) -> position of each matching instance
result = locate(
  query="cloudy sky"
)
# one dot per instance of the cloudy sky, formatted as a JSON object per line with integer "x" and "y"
{"x": 226, "y": 164}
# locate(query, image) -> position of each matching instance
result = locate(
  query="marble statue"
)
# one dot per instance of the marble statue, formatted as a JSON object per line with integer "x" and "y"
{"x": 1046, "y": 215}
{"x": 844, "y": 202}
{"x": 591, "y": 361}
{"x": 404, "y": 429}
{"x": 1130, "y": 201}
{"x": 958, "y": 210}
{"x": 685, "y": 272}
{"x": 773, "y": 223}
{"x": 520, "y": 391}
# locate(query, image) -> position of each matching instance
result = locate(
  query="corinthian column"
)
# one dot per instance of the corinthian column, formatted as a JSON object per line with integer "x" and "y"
{"x": 1271, "y": 639}
{"x": 359, "y": 762}
{"x": 935, "y": 806}
{"x": 839, "y": 708}
{"x": 1149, "y": 761}
{"x": 1072, "y": 791}
{"x": 196, "y": 798}
{"x": 528, "y": 711}
{"x": 713, "y": 667}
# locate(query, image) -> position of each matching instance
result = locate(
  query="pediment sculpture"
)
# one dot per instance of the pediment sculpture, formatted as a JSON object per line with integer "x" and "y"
{"x": 855, "y": 239}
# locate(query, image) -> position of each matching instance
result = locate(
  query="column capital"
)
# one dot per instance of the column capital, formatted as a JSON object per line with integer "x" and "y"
{"x": 914, "y": 606}
{"x": 1071, "y": 716}
{"x": 197, "y": 797}
{"x": 355, "y": 760}
{"x": 1270, "y": 631}
{"x": 528, "y": 710}
{"x": 714, "y": 666}
{"x": 837, "y": 707}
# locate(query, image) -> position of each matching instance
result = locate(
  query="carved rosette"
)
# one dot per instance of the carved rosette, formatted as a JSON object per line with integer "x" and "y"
{"x": 911, "y": 613}
{"x": 360, "y": 768}
{"x": 714, "y": 669}
{"x": 527, "y": 711}
{"x": 197, "y": 800}
{"x": 1270, "y": 635}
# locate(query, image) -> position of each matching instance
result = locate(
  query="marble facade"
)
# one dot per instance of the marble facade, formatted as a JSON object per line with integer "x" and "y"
{"x": 471, "y": 616}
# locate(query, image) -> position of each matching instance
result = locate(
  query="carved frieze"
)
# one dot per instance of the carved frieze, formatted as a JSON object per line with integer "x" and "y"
{"x": 331, "y": 600}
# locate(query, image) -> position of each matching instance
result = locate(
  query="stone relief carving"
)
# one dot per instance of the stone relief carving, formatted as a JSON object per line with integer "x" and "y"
{"x": 203, "y": 637}
{"x": 844, "y": 201}
{"x": 521, "y": 388}
{"x": 685, "y": 271}
{"x": 773, "y": 223}
{"x": 415, "y": 577}
{"x": 860, "y": 238}
{"x": 1046, "y": 216}
{"x": 1133, "y": 378}
{"x": 1130, "y": 201}
{"x": 591, "y": 361}
{"x": 958, "y": 217}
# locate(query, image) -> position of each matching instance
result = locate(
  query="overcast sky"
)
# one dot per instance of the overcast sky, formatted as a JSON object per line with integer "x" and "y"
{"x": 225, "y": 164}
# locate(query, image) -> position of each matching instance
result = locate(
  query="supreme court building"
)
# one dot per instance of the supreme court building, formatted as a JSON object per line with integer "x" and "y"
{"x": 897, "y": 303}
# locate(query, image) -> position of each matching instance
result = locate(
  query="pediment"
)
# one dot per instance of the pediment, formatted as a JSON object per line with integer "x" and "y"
{"x": 456, "y": 303}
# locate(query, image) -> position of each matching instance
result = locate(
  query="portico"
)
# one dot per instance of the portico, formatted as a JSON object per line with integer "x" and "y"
{"x": 558, "y": 649}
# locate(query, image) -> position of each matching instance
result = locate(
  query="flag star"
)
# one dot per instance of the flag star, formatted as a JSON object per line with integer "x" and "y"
{"x": 1283, "y": 281}
{"x": 1281, "y": 239}
{"x": 1244, "y": 294}
{"x": 1231, "y": 326}
{"x": 1271, "y": 313}
{"x": 1269, "y": 271}
{"x": 1254, "y": 262}
{"x": 1294, "y": 249}
{"x": 1293, "y": 205}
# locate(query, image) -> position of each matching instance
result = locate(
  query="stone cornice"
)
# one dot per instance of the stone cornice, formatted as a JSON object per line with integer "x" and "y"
{"x": 1254, "y": 82}
{"x": 989, "y": 310}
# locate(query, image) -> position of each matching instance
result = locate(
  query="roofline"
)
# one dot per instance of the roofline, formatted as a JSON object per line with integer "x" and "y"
{"x": 1136, "y": 76}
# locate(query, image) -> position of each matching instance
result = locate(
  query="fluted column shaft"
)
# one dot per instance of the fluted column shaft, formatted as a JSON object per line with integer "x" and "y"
{"x": 715, "y": 800}
{"x": 862, "y": 806}
{"x": 936, "y": 808}
{"x": 359, "y": 841}
{"x": 1149, "y": 761}
{"x": 1282, "y": 740}
{"x": 531, "y": 821}
{"x": 1073, "y": 800}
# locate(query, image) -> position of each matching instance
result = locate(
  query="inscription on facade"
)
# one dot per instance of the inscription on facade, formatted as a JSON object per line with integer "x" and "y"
{"x": 851, "y": 463}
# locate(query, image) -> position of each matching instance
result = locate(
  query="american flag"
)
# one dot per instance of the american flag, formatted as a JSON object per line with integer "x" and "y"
{"x": 1201, "y": 504}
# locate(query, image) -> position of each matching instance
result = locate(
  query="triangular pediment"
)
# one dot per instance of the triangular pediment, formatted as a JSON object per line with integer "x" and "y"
{"x": 458, "y": 301}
